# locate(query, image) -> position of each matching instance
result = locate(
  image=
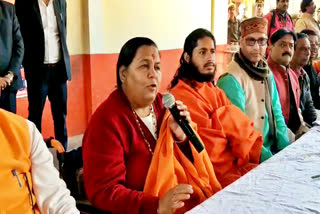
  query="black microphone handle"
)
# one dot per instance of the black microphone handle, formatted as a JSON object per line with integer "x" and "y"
{"x": 187, "y": 129}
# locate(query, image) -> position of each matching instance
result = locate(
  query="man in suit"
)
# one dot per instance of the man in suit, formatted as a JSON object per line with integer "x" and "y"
{"x": 11, "y": 55}
{"x": 46, "y": 61}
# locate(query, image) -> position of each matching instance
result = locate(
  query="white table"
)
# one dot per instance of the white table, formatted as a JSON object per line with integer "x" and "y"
{"x": 282, "y": 184}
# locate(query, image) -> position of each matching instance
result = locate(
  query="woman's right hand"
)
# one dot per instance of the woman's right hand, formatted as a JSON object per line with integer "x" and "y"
{"x": 174, "y": 199}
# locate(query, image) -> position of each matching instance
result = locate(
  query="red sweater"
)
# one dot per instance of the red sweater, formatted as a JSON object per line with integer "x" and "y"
{"x": 278, "y": 24}
{"x": 116, "y": 158}
{"x": 281, "y": 77}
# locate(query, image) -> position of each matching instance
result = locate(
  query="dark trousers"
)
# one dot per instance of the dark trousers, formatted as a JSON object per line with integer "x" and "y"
{"x": 8, "y": 100}
{"x": 51, "y": 84}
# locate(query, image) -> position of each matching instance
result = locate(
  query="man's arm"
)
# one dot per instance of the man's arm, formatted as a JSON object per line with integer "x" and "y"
{"x": 233, "y": 90}
{"x": 51, "y": 192}
{"x": 282, "y": 130}
{"x": 17, "y": 47}
{"x": 308, "y": 112}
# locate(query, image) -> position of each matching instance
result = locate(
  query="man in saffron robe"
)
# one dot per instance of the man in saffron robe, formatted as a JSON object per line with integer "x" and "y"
{"x": 249, "y": 84}
{"x": 232, "y": 144}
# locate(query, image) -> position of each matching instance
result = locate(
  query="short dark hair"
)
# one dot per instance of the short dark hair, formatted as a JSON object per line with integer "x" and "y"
{"x": 309, "y": 32}
{"x": 189, "y": 44}
{"x": 128, "y": 52}
{"x": 281, "y": 33}
{"x": 301, "y": 36}
{"x": 304, "y": 4}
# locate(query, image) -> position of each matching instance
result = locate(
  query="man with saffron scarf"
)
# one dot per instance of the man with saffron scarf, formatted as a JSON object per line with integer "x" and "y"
{"x": 29, "y": 182}
{"x": 232, "y": 143}
{"x": 249, "y": 84}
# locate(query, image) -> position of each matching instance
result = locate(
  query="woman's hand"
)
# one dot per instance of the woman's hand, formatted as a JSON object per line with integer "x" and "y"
{"x": 174, "y": 126}
{"x": 174, "y": 199}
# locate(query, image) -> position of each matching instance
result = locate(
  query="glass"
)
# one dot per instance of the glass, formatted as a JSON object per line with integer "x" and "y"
{"x": 252, "y": 41}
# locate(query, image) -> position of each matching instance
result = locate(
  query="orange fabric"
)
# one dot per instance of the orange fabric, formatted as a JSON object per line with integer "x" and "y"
{"x": 316, "y": 66}
{"x": 233, "y": 145}
{"x": 170, "y": 167}
{"x": 58, "y": 146}
{"x": 15, "y": 155}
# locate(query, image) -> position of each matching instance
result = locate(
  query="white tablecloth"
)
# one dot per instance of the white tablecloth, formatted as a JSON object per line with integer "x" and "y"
{"x": 282, "y": 184}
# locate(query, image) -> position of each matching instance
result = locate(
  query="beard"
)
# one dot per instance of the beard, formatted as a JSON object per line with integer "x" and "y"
{"x": 192, "y": 73}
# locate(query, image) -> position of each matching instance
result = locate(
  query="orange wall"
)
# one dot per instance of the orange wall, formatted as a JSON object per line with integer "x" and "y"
{"x": 93, "y": 78}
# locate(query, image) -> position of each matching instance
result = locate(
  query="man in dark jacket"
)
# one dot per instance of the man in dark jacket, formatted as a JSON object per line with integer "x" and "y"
{"x": 313, "y": 76}
{"x": 46, "y": 61}
{"x": 11, "y": 55}
{"x": 301, "y": 58}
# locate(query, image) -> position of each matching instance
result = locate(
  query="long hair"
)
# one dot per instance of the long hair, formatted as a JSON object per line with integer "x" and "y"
{"x": 187, "y": 70}
{"x": 128, "y": 52}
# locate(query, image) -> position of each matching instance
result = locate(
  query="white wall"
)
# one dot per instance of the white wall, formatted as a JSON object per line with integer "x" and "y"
{"x": 167, "y": 22}
{"x": 220, "y": 25}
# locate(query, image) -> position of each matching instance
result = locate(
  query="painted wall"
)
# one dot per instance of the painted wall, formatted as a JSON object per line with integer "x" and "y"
{"x": 97, "y": 29}
{"x": 220, "y": 21}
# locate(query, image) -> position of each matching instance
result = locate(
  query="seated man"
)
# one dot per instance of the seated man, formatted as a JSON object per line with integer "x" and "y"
{"x": 309, "y": 69}
{"x": 29, "y": 182}
{"x": 232, "y": 144}
{"x": 300, "y": 58}
{"x": 249, "y": 84}
{"x": 281, "y": 52}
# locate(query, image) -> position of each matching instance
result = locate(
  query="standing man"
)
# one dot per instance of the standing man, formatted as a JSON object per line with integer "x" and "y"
{"x": 232, "y": 144}
{"x": 281, "y": 53}
{"x": 259, "y": 6}
{"x": 307, "y": 21}
{"x": 279, "y": 18}
{"x": 11, "y": 55}
{"x": 46, "y": 61}
{"x": 301, "y": 58}
{"x": 233, "y": 25}
{"x": 249, "y": 84}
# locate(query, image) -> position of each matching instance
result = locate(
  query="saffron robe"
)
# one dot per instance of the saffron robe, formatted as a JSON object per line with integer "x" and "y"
{"x": 116, "y": 158}
{"x": 170, "y": 167}
{"x": 229, "y": 137}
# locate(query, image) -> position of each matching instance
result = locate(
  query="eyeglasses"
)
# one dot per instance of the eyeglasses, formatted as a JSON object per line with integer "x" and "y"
{"x": 252, "y": 41}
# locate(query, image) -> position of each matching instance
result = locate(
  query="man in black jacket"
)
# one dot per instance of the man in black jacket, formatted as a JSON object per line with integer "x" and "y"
{"x": 46, "y": 61}
{"x": 11, "y": 55}
{"x": 313, "y": 76}
{"x": 300, "y": 58}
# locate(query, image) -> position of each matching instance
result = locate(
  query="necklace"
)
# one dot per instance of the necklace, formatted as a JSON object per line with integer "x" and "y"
{"x": 154, "y": 123}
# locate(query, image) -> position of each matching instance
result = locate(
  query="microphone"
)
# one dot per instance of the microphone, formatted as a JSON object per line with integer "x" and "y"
{"x": 170, "y": 103}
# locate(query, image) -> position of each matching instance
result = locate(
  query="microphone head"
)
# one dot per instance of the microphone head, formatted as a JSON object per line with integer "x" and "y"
{"x": 168, "y": 100}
